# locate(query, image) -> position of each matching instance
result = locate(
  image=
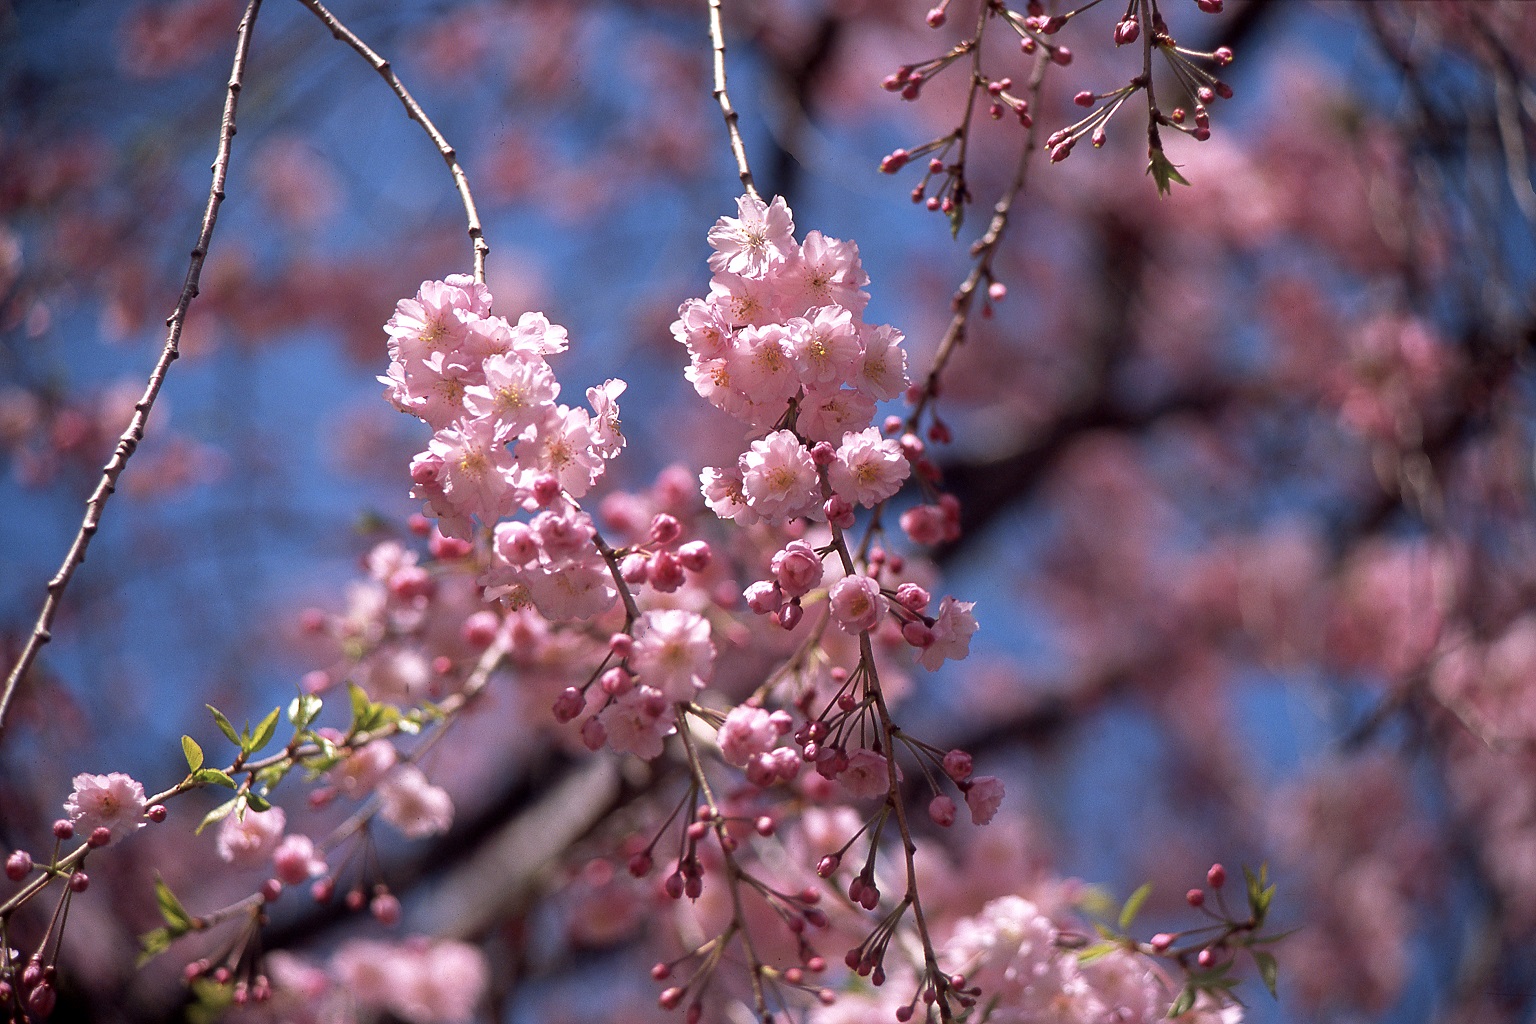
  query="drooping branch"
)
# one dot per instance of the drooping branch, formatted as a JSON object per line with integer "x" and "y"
{"x": 413, "y": 109}
{"x": 128, "y": 441}
{"x": 732, "y": 126}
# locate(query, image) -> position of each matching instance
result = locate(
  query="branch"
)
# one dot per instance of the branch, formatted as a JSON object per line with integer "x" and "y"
{"x": 413, "y": 109}
{"x": 129, "y": 440}
{"x": 732, "y": 128}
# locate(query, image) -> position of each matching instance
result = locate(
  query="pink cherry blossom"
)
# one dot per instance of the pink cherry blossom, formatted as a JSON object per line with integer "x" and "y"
{"x": 746, "y": 731}
{"x": 856, "y": 603}
{"x": 984, "y": 796}
{"x": 778, "y": 477}
{"x": 797, "y": 568}
{"x": 638, "y": 722}
{"x": 867, "y": 775}
{"x": 246, "y": 839}
{"x": 114, "y": 801}
{"x": 758, "y": 238}
{"x": 413, "y": 805}
{"x": 825, "y": 346}
{"x": 868, "y": 468}
{"x": 673, "y": 653}
{"x": 952, "y": 633}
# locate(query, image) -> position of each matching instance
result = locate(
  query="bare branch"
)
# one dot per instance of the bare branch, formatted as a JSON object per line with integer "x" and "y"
{"x": 128, "y": 441}
{"x": 732, "y": 128}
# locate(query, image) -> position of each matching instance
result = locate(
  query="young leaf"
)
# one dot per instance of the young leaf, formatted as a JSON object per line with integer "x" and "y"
{"x": 152, "y": 944}
{"x": 304, "y": 709}
{"x": 214, "y": 815}
{"x": 214, "y": 776}
{"x": 360, "y": 706}
{"x": 193, "y": 752}
{"x": 1164, "y": 172}
{"x": 263, "y": 734}
{"x": 1133, "y": 905}
{"x": 1268, "y": 969}
{"x": 223, "y": 724}
{"x": 1183, "y": 1004}
{"x": 257, "y": 802}
{"x": 1098, "y": 949}
{"x": 176, "y": 916}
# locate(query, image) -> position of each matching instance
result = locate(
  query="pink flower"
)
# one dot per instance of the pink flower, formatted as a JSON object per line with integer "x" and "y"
{"x": 762, "y": 366}
{"x": 722, "y": 493}
{"x": 868, "y": 468}
{"x": 826, "y": 414}
{"x": 952, "y": 633}
{"x": 704, "y": 327}
{"x": 856, "y": 603}
{"x": 638, "y": 722}
{"x": 673, "y": 653}
{"x": 295, "y": 859}
{"x": 778, "y": 478}
{"x": 828, "y": 273}
{"x": 746, "y": 731}
{"x": 797, "y": 568}
{"x": 883, "y": 374}
{"x": 825, "y": 346}
{"x": 246, "y": 839}
{"x": 114, "y": 802}
{"x": 518, "y": 393}
{"x": 984, "y": 796}
{"x": 564, "y": 446}
{"x": 761, "y": 236}
{"x": 576, "y": 590}
{"x": 443, "y": 986}
{"x": 363, "y": 768}
{"x": 867, "y": 775}
{"x": 607, "y": 436}
{"x": 413, "y": 805}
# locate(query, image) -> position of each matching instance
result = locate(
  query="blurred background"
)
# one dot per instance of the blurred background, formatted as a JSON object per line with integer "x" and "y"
{"x": 1247, "y": 471}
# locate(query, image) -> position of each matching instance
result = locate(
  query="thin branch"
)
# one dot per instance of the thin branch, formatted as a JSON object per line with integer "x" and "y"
{"x": 732, "y": 128}
{"x": 984, "y": 250}
{"x": 413, "y": 109}
{"x": 129, "y": 440}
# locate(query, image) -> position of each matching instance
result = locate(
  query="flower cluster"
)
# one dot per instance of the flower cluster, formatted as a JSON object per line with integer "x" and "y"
{"x": 502, "y": 443}
{"x": 781, "y": 344}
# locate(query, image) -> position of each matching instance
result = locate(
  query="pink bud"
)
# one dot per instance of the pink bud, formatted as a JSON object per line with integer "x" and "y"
{"x": 671, "y": 998}
{"x": 790, "y": 614}
{"x": 635, "y": 569}
{"x": 1061, "y": 55}
{"x": 385, "y": 909}
{"x": 1161, "y": 941}
{"x": 1061, "y": 152}
{"x": 1223, "y": 55}
{"x": 1195, "y": 897}
{"x": 480, "y": 629}
{"x": 823, "y": 453}
{"x": 621, "y": 644}
{"x": 897, "y": 159}
{"x": 640, "y": 865}
{"x": 271, "y": 889}
{"x": 18, "y": 865}
{"x": 1223, "y": 90}
{"x": 616, "y": 682}
{"x": 828, "y": 865}
{"x": 546, "y": 488}
{"x": 661, "y": 972}
{"x": 918, "y": 634}
{"x": 665, "y": 529}
{"x": 569, "y": 704}
{"x": 936, "y": 18}
{"x": 448, "y": 548}
{"x": 593, "y": 735}
{"x": 1217, "y": 876}
{"x": 666, "y": 572}
{"x": 942, "y": 810}
{"x": 958, "y": 765}
{"x": 100, "y": 837}
{"x": 695, "y": 555}
{"x": 1128, "y": 31}
{"x": 1084, "y": 98}
{"x": 1209, "y": 6}
{"x": 997, "y": 291}
{"x": 157, "y": 813}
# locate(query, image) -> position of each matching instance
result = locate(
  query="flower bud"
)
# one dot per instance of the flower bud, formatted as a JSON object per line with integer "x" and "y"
{"x": 942, "y": 810}
{"x": 1217, "y": 876}
{"x": 18, "y": 865}
{"x": 694, "y": 556}
{"x": 1195, "y": 897}
{"x": 569, "y": 704}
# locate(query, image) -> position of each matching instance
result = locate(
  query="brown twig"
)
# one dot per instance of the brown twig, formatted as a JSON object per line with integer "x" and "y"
{"x": 413, "y": 109}
{"x": 984, "y": 250}
{"x": 128, "y": 441}
{"x": 732, "y": 128}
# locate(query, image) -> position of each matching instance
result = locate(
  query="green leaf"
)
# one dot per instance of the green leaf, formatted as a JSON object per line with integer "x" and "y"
{"x": 257, "y": 802}
{"x": 270, "y": 776}
{"x": 176, "y": 916}
{"x": 1183, "y": 1004}
{"x": 1268, "y": 969}
{"x": 956, "y": 217}
{"x": 214, "y": 815}
{"x": 360, "y": 706}
{"x": 224, "y": 726}
{"x": 193, "y": 752}
{"x": 214, "y": 776}
{"x": 152, "y": 944}
{"x": 1164, "y": 172}
{"x": 304, "y": 709}
{"x": 1098, "y": 949}
{"x": 1133, "y": 905}
{"x": 264, "y": 730}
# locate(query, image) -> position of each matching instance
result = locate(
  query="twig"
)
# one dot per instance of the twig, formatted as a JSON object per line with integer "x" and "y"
{"x": 129, "y": 440}
{"x": 732, "y": 128}
{"x": 413, "y": 109}
{"x": 983, "y": 250}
